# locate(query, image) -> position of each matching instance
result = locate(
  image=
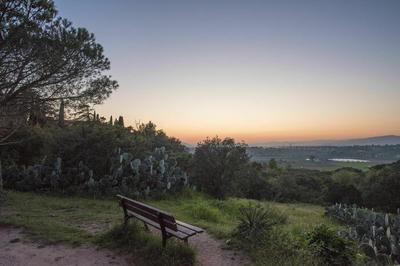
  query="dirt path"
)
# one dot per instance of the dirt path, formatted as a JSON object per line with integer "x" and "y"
{"x": 211, "y": 252}
{"x": 17, "y": 250}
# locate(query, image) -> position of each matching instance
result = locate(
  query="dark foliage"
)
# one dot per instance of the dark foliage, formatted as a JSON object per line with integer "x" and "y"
{"x": 342, "y": 193}
{"x": 381, "y": 188}
{"x": 93, "y": 157}
{"x": 324, "y": 243}
{"x": 297, "y": 185}
{"x": 216, "y": 164}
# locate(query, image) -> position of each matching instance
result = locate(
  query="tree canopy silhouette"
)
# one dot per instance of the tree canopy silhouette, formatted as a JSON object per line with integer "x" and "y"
{"x": 44, "y": 58}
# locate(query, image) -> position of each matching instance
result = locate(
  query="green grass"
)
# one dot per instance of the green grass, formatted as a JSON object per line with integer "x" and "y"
{"x": 219, "y": 217}
{"x": 77, "y": 220}
{"x": 55, "y": 218}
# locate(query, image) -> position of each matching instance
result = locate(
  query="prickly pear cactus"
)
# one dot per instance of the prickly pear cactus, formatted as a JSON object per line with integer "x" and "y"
{"x": 378, "y": 233}
{"x": 145, "y": 177}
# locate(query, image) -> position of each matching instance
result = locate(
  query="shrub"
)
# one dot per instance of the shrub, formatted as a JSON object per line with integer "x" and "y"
{"x": 302, "y": 185}
{"x": 282, "y": 248}
{"x": 134, "y": 239}
{"x": 250, "y": 182}
{"x": 325, "y": 244}
{"x": 216, "y": 163}
{"x": 255, "y": 221}
{"x": 381, "y": 187}
{"x": 342, "y": 193}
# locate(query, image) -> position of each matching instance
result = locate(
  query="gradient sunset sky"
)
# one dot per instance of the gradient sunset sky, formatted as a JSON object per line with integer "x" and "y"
{"x": 257, "y": 71}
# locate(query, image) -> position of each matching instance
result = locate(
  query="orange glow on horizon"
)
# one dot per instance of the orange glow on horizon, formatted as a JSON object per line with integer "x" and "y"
{"x": 250, "y": 136}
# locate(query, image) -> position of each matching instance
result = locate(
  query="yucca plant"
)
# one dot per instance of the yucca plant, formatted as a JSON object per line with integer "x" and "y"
{"x": 256, "y": 220}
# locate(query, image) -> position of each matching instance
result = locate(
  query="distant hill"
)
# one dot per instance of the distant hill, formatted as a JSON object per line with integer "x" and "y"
{"x": 378, "y": 140}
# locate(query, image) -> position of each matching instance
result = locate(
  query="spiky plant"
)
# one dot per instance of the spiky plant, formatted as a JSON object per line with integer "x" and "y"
{"x": 255, "y": 221}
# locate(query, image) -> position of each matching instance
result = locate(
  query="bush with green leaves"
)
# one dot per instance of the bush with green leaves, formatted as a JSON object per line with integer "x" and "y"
{"x": 93, "y": 143}
{"x": 327, "y": 245}
{"x": 256, "y": 221}
{"x": 94, "y": 157}
{"x": 296, "y": 185}
{"x": 380, "y": 189}
{"x": 216, "y": 163}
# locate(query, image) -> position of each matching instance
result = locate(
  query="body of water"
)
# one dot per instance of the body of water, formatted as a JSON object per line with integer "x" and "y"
{"x": 348, "y": 160}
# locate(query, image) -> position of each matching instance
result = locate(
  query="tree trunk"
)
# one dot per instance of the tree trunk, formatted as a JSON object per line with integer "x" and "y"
{"x": 1, "y": 179}
{"x": 61, "y": 114}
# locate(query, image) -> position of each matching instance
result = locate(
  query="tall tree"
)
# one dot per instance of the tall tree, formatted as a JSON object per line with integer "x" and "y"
{"x": 121, "y": 121}
{"x": 216, "y": 163}
{"x": 44, "y": 58}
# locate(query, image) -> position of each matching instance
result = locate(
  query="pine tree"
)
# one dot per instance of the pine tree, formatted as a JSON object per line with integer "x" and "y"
{"x": 121, "y": 121}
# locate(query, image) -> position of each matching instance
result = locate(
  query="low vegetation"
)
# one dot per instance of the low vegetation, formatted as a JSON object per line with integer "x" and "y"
{"x": 78, "y": 220}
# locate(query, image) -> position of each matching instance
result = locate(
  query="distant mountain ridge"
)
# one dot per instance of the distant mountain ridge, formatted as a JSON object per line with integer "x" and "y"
{"x": 377, "y": 140}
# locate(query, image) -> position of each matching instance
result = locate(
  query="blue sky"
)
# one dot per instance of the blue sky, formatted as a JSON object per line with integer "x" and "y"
{"x": 253, "y": 70}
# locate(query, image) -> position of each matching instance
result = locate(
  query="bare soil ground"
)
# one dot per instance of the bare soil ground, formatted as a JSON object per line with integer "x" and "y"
{"x": 215, "y": 253}
{"x": 16, "y": 249}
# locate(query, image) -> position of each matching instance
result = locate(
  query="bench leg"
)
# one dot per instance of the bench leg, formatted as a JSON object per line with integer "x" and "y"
{"x": 126, "y": 216}
{"x": 126, "y": 220}
{"x": 146, "y": 227}
{"x": 186, "y": 241}
{"x": 163, "y": 231}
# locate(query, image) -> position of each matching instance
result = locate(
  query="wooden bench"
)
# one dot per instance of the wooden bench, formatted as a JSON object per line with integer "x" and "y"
{"x": 158, "y": 219}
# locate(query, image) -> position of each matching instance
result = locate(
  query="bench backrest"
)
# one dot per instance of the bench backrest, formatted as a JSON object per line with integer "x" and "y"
{"x": 151, "y": 213}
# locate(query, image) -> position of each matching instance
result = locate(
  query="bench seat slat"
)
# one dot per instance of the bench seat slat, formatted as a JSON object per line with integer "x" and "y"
{"x": 178, "y": 234}
{"x": 185, "y": 230}
{"x": 189, "y": 226}
{"x": 180, "y": 229}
